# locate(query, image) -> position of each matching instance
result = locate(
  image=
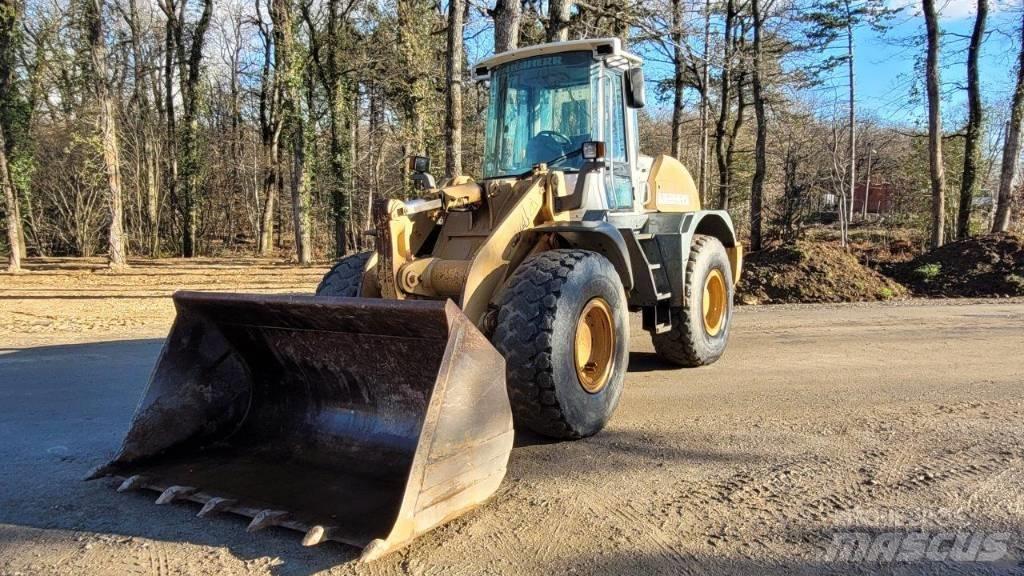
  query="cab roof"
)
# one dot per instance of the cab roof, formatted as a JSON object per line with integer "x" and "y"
{"x": 601, "y": 47}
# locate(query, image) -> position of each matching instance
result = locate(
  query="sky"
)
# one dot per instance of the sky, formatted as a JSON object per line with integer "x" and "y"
{"x": 885, "y": 77}
{"x": 885, "y": 63}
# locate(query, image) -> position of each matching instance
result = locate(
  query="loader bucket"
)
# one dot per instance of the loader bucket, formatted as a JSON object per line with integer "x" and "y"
{"x": 364, "y": 421}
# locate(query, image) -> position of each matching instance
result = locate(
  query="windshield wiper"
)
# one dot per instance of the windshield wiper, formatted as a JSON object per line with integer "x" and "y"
{"x": 552, "y": 162}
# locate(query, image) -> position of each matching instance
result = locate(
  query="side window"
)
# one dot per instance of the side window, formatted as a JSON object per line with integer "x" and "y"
{"x": 619, "y": 185}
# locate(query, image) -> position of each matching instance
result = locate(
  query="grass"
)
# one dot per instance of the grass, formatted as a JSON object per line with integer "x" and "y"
{"x": 928, "y": 272}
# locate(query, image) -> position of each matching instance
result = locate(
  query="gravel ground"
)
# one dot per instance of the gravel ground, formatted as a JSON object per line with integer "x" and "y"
{"x": 875, "y": 419}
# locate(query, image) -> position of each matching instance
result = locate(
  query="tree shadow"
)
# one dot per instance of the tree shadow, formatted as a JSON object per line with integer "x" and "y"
{"x": 63, "y": 411}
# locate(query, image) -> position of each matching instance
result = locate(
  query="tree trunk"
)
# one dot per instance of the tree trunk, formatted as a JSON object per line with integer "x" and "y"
{"x": 453, "y": 95}
{"x": 760, "y": 145}
{"x": 14, "y": 240}
{"x": 936, "y": 170}
{"x": 507, "y": 15}
{"x": 108, "y": 133}
{"x": 969, "y": 182}
{"x": 705, "y": 105}
{"x": 678, "y": 82}
{"x": 558, "y": 20}
{"x": 725, "y": 107}
{"x": 1011, "y": 148}
{"x": 189, "y": 61}
{"x": 853, "y": 106}
{"x": 290, "y": 72}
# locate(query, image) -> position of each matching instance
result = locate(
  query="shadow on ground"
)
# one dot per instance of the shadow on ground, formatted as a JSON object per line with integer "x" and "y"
{"x": 63, "y": 411}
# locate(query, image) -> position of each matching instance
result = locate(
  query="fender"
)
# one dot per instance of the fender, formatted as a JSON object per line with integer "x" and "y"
{"x": 596, "y": 236}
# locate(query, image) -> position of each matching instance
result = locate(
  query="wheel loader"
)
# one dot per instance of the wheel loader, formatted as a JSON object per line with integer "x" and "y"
{"x": 385, "y": 404}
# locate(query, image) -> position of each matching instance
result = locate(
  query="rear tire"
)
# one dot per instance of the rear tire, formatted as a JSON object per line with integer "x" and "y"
{"x": 691, "y": 342}
{"x": 346, "y": 277}
{"x": 564, "y": 375}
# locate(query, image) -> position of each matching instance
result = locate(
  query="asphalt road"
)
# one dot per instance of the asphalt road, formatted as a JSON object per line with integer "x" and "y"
{"x": 821, "y": 421}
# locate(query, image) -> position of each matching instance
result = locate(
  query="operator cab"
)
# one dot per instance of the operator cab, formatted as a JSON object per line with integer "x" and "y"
{"x": 547, "y": 101}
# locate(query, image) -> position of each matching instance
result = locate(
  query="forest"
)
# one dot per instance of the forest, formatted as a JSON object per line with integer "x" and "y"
{"x": 184, "y": 128}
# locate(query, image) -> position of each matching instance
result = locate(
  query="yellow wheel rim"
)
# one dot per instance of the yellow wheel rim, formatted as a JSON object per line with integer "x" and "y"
{"x": 715, "y": 302}
{"x": 595, "y": 345}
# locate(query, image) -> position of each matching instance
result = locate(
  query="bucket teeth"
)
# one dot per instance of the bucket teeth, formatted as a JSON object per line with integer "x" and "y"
{"x": 174, "y": 492}
{"x": 266, "y": 518}
{"x": 315, "y": 535}
{"x": 215, "y": 504}
{"x": 133, "y": 483}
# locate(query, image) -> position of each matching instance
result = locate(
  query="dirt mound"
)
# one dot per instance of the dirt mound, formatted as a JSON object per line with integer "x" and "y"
{"x": 810, "y": 272}
{"x": 991, "y": 265}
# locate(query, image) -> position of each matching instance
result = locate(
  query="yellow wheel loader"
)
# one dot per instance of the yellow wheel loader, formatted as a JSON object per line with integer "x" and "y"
{"x": 384, "y": 405}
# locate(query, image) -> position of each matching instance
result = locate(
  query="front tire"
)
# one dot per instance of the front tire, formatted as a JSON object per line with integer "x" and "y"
{"x": 345, "y": 277}
{"x": 700, "y": 327}
{"x": 563, "y": 329}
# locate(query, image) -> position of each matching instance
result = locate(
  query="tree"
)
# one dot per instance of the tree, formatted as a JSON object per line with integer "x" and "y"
{"x": 93, "y": 20}
{"x": 558, "y": 20}
{"x": 507, "y": 16}
{"x": 10, "y": 17}
{"x": 453, "y": 94}
{"x": 291, "y": 74}
{"x": 970, "y": 181}
{"x": 937, "y": 174}
{"x": 270, "y": 126}
{"x": 761, "y": 142}
{"x": 10, "y": 202}
{"x": 722, "y": 140}
{"x": 189, "y": 57}
{"x": 1011, "y": 147}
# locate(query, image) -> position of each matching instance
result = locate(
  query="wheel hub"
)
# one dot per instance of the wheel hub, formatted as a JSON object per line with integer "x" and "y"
{"x": 715, "y": 302}
{"x": 595, "y": 345}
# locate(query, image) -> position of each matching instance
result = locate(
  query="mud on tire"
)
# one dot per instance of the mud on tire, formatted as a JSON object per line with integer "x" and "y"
{"x": 689, "y": 343}
{"x": 536, "y": 331}
{"x": 346, "y": 277}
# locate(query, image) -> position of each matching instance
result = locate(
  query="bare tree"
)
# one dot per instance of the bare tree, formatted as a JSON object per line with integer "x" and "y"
{"x": 970, "y": 181}
{"x": 725, "y": 105}
{"x": 291, "y": 73}
{"x": 93, "y": 16}
{"x": 761, "y": 142}
{"x": 189, "y": 56}
{"x": 10, "y": 18}
{"x": 937, "y": 173}
{"x": 271, "y": 125}
{"x": 1011, "y": 148}
{"x": 453, "y": 95}
{"x": 13, "y": 236}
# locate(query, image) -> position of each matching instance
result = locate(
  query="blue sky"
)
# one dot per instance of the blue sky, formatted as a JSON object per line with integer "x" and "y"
{"x": 885, "y": 63}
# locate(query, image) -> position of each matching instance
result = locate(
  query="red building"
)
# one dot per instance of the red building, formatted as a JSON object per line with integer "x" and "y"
{"x": 879, "y": 198}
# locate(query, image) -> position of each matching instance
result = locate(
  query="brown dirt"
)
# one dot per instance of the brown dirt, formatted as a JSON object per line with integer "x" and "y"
{"x": 811, "y": 272}
{"x": 819, "y": 419}
{"x": 990, "y": 265}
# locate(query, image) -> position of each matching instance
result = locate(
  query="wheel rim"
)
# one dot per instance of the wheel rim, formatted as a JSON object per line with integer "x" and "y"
{"x": 715, "y": 302}
{"x": 595, "y": 345}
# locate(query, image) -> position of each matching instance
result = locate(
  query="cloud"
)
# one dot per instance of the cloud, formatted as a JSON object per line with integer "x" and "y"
{"x": 951, "y": 9}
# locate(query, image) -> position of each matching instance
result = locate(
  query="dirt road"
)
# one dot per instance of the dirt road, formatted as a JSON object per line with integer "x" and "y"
{"x": 820, "y": 420}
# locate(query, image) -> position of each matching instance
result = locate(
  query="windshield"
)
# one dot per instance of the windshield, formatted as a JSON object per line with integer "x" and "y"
{"x": 540, "y": 110}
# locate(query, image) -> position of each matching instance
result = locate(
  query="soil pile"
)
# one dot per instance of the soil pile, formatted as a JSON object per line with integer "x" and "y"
{"x": 811, "y": 272}
{"x": 991, "y": 265}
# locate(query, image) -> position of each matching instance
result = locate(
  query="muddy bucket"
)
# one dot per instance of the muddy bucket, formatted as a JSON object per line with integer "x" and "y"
{"x": 364, "y": 421}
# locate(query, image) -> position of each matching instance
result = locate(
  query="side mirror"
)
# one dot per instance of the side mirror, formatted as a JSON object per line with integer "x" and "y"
{"x": 635, "y": 88}
{"x": 420, "y": 166}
